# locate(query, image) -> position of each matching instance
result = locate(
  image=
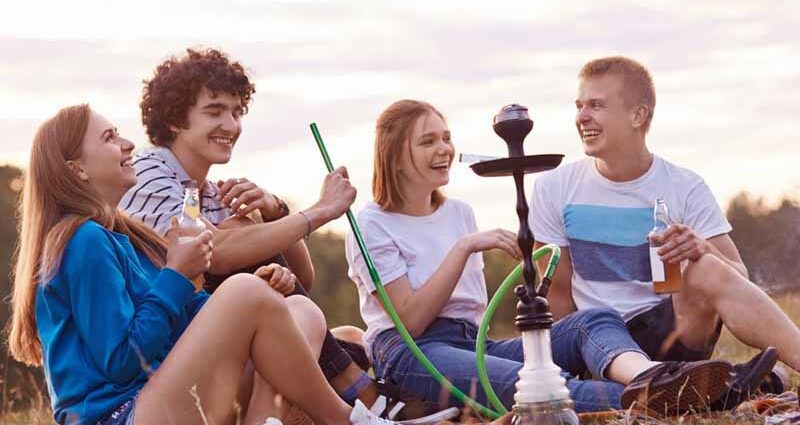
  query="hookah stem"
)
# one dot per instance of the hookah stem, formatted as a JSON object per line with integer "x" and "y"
{"x": 384, "y": 297}
{"x": 509, "y": 282}
{"x": 525, "y": 237}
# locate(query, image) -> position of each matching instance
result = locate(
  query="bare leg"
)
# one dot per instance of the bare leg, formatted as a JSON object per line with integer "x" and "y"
{"x": 261, "y": 401}
{"x": 245, "y": 319}
{"x": 713, "y": 288}
{"x": 627, "y": 365}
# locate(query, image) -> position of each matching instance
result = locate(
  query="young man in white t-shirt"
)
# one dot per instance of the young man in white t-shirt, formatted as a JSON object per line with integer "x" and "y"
{"x": 600, "y": 211}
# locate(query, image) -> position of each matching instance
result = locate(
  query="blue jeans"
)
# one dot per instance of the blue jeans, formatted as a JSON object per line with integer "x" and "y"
{"x": 583, "y": 342}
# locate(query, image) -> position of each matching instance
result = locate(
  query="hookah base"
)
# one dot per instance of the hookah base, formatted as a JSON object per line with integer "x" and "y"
{"x": 555, "y": 412}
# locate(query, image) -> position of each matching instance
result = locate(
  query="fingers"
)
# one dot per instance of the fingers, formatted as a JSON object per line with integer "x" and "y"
{"x": 236, "y": 191}
{"x": 265, "y": 272}
{"x": 172, "y": 232}
{"x": 225, "y": 186}
{"x": 249, "y": 198}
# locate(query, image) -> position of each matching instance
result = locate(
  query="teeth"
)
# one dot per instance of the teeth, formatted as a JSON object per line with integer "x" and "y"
{"x": 222, "y": 141}
{"x": 590, "y": 133}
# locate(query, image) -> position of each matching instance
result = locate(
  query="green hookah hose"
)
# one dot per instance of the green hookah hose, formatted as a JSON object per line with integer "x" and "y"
{"x": 484, "y": 325}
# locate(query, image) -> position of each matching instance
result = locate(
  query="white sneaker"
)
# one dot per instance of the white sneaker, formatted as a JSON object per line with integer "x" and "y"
{"x": 379, "y": 407}
{"x": 360, "y": 415}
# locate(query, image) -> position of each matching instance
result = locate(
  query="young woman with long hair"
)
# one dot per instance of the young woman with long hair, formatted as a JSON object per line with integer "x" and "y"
{"x": 108, "y": 307}
{"x": 426, "y": 249}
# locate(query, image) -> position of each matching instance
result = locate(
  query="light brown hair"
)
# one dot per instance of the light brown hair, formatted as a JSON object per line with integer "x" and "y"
{"x": 392, "y": 134}
{"x": 55, "y": 202}
{"x": 637, "y": 84}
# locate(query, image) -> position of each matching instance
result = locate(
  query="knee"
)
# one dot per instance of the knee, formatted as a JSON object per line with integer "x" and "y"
{"x": 250, "y": 294}
{"x": 709, "y": 276}
{"x": 305, "y": 312}
{"x": 601, "y": 316}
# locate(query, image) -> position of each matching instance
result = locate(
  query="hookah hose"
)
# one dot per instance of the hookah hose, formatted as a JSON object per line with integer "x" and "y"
{"x": 482, "y": 330}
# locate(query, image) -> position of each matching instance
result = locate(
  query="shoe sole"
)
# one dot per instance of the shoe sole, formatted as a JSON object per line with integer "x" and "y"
{"x": 697, "y": 389}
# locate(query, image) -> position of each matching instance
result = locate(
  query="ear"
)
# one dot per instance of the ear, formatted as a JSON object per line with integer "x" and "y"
{"x": 77, "y": 168}
{"x": 174, "y": 129}
{"x": 639, "y": 116}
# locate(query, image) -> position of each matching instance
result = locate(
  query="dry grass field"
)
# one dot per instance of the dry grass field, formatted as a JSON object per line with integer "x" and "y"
{"x": 728, "y": 349}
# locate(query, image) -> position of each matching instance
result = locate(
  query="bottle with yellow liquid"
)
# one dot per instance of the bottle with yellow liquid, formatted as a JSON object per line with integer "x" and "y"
{"x": 666, "y": 276}
{"x": 189, "y": 223}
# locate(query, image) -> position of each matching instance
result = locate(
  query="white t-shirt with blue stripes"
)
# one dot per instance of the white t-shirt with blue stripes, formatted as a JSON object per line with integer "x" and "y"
{"x": 605, "y": 225}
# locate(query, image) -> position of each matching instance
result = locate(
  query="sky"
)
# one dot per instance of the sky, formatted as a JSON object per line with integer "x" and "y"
{"x": 727, "y": 76}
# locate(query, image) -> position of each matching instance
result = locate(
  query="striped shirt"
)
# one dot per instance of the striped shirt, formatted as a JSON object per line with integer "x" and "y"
{"x": 158, "y": 193}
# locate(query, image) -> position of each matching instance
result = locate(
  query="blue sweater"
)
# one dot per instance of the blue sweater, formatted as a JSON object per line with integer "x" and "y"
{"x": 106, "y": 319}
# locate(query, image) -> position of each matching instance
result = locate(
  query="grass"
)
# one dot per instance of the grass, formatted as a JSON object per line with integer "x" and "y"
{"x": 728, "y": 348}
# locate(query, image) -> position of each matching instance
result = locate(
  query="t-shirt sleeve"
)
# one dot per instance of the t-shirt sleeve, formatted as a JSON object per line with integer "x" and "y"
{"x": 703, "y": 214}
{"x": 120, "y": 336}
{"x": 384, "y": 252}
{"x": 157, "y": 195}
{"x": 545, "y": 217}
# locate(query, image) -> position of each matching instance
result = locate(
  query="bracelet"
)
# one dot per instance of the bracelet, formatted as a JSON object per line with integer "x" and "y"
{"x": 308, "y": 223}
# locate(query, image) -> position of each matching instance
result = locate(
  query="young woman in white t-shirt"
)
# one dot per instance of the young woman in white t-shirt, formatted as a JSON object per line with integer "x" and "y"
{"x": 426, "y": 249}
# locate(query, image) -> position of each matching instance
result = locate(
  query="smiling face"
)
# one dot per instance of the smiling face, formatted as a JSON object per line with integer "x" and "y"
{"x": 605, "y": 124}
{"x": 105, "y": 160}
{"x": 425, "y": 164}
{"x": 214, "y": 125}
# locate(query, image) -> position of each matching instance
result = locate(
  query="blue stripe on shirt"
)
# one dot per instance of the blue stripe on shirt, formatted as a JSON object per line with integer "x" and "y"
{"x": 608, "y": 263}
{"x": 622, "y": 227}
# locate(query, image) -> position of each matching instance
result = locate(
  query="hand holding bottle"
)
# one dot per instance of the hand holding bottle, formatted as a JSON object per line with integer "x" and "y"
{"x": 189, "y": 256}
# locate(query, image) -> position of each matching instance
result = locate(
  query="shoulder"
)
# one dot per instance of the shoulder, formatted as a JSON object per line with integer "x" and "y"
{"x": 564, "y": 174}
{"x": 459, "y": 207}
{"x": 89, "y": 232}
{"x": 155, "y": 161}
{"x": 372, "y": 213}
{"x": 679, "y": 176}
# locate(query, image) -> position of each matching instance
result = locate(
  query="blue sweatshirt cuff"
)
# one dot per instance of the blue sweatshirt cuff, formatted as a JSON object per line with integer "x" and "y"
{"x": 173, "y": 289}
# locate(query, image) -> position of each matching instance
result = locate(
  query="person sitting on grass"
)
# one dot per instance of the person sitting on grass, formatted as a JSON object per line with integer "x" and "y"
{"x": 110, "y": 309}
{"x": 192, "y": 109}
{"x": 427, "y": 250}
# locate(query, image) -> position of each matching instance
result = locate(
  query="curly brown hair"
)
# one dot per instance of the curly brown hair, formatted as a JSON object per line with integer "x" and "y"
{"x": 177, "y": 83}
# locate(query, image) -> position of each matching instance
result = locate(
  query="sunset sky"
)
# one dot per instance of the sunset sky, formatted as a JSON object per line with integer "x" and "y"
{"x": 727, "y": 77}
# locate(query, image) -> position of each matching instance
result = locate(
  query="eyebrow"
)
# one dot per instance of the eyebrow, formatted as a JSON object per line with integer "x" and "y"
{"x": 433, "y": 133}
{"x": 112, "y": 130}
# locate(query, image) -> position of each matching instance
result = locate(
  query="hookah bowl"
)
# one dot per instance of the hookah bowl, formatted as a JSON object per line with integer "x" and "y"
{"x": 542, "y": 397}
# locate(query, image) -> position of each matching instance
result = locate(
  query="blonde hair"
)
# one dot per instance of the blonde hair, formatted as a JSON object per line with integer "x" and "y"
{"x": 637, "y": 84}
{"x": 55, "y": 202}
{"x": 392, "y": 134}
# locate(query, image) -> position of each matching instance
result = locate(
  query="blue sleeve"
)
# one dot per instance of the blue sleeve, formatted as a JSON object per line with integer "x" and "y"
{"x": 120, "y": 336}
{"x": 196, "y": 303}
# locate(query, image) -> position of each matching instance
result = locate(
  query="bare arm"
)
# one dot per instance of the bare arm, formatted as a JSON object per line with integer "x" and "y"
{"x": 418, "y": 308}
{"x": 299, "y": 261}
{"x": 560, "y": 295}
{"x": 240, "y": 247}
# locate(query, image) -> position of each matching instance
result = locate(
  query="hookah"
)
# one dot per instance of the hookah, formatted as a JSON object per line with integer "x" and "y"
{"x": 542, "y": 397}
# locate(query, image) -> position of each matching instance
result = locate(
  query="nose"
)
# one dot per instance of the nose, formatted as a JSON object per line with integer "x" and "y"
{"x": 230, "y": 123}
{"x": 582, "y": 115}
{"x": 125, "y": 145}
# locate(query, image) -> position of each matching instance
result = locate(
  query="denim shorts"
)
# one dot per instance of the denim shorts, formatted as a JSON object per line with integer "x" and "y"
{"x": 122, "y": 415}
